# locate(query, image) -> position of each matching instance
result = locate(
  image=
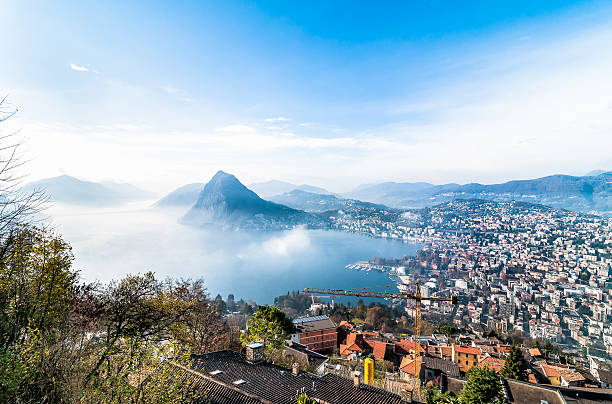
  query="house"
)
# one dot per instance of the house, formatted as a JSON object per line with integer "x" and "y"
{"x": 570, "y": 378}
{"x": 305, "y": 357}
{"x": 410, "y": 369}
{"x": 492, "y": 363}
{"x": 465, "y": 356}
{"x": 551, "y": 373}
{"x": 317, "y": 333}
{"x": 356, "y": 345}
{"x": 228, "y": 377}
{"x": 605, "y": 378}
{"x": 434, "y": 368}
{"x": 407, "y": 347}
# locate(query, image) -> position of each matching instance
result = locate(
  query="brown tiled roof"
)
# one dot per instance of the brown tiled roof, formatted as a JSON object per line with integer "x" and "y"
{"x": 492, "y": 363}
{"x": 467, "y": 350}
{"x": 270, "y": 383}
{"x": 535, "y": 352}
{"x": 380, "y": 350}
{"x": 570, "y": 375}
{"x": 406, "y": 346}
{"x": 409, "y": 365}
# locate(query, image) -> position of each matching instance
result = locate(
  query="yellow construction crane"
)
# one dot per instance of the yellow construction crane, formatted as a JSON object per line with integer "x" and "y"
{"x": 392, "y": 295}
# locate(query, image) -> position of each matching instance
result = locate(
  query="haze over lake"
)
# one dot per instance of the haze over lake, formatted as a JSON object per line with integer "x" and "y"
{"x": 111, "y": 242}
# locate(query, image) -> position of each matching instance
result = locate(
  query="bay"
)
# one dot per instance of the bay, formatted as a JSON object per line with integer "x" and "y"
{"x": 110, "y": 243}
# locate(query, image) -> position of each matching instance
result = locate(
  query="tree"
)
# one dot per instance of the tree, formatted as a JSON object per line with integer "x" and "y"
{"x": 269, "y": 326}
{"x": 483, "y": 387}
{"x": 304, "y": 399}
{"x": 201, "y": 329}
{"x": 515, "y": 366}
{"x": 448, "y": 330}
{"x": 231, "y": 304}
{"x": 433, "y": 396}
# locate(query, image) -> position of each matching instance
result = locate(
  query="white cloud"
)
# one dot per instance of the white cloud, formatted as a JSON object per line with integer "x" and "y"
{"x": 171, "y": 89}
{"x": 279, "y": 119}
{"x": 79, "y": 68}
{"x": 236, "y": 129}
{"x": 277, "y": 127}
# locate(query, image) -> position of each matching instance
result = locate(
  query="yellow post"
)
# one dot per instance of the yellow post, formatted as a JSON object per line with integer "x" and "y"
{"x": 368, "y": 374}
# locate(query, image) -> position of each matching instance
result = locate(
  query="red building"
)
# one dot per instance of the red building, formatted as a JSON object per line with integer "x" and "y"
{"x": 318, "y": 333}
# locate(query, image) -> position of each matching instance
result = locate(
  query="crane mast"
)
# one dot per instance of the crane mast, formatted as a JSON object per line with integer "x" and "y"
{"x": 416, "y": 297}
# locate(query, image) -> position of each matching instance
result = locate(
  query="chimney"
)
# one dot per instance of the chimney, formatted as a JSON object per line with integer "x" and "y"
{"x": 254, "y": 352}
{"x": 296, "y": 369}
{"x": 356, "y": 380}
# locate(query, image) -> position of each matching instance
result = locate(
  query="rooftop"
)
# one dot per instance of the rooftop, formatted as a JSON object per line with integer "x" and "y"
{"x": 264, "y": 382}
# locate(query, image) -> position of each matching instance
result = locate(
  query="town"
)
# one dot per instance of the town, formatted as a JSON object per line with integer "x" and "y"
{"x": 516, "y": 267}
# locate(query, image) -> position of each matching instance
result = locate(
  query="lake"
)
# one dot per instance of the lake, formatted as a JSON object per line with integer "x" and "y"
{"x": 109, "y": 243}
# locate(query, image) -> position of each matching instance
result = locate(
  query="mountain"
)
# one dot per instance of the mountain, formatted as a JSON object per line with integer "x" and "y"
{"x": 71, "y": 190}
{"x": 587, "y": 194}
{"x": 313, "y": 202}
{"x": 595, "y": 173}
{"x": 392, "y": 192}
{"x": 226, "y": 201}
{"x": 275, "y": 187}
{"x": 184, "y": 196}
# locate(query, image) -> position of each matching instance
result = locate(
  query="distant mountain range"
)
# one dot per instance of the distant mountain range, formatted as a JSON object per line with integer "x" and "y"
{"x": 227, "y": 202}
{"x": 591, "y": 193}
{"x": 274, "y": 187}
{"x": 71, "y": 190}
{"x": 312, "y": 202}
{"x": 184, "y": 196}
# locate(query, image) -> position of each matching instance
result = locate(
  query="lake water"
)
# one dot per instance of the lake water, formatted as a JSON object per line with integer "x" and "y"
{"x": 109, "y": 243}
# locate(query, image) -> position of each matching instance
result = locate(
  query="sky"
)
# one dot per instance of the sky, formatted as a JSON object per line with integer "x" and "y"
{"x": 334, "y": 94}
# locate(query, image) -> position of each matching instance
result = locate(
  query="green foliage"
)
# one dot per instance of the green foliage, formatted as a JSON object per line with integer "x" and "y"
{"x": 294, "y": 303}
{"x": 269, "y": 326}
{"x": 304, "y": 399}
{"x": 515, "y": 366}
{"x": 448, "y": 330}
{"x": 483, "y": 387}
{"x": 12, "y": 375}
{"x": 65, "y": 342}
{"x": 433, "y": 396}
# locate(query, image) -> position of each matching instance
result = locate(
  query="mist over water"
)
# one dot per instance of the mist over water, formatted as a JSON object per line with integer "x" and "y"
{"x": 110, "y": 243}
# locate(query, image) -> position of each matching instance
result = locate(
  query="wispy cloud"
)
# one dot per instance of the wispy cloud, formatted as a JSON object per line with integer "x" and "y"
{"x": 236, "y": 129}
{"x": 279, "y": 119}
{"x": 179, "y": 93}
{"x": 277, "y": 127}
{"x": 79, "y": 68}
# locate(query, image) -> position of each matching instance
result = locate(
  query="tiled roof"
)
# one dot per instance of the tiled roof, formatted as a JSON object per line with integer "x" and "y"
{"x": 550, "y": 371}
{"x": 310, "y": 324}
{"x": 467, "y": 350}
{"x": 522, "y": 392}
{"x": 409, "y": 365}
{"x": 570, "y": 375}
{"x": 535, "y": 352}
{"x": 380, "y": 350}
{"x": 604, "y": 376}
{"x": 269, "y": 383}
{"x": 197, "y": 389}
{"x": 446, "y": 366}
{"x": 492, "y": 363}
{"x": 406, "y": 346}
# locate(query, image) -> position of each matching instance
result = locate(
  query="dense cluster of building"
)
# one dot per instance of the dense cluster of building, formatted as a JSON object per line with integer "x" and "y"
{"x": 336, "y": 373}
{"x": 516, "y": 266}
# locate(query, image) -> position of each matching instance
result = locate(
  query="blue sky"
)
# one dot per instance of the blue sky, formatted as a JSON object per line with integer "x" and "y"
{"x": 330, "y": 93}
